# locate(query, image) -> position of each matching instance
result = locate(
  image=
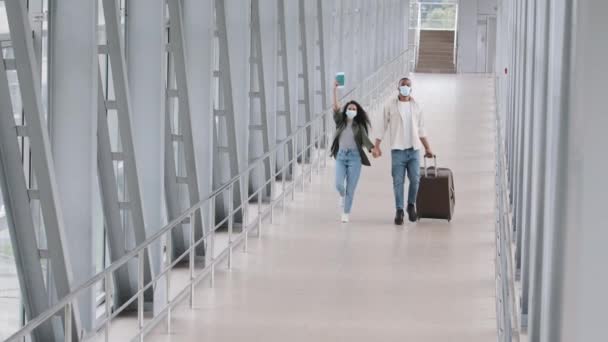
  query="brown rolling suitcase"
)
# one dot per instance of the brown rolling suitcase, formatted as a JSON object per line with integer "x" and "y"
{"x": 436, "y": 197}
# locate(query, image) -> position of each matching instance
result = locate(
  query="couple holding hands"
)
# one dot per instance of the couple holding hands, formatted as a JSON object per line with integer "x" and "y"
{"x": 403, "y": 124}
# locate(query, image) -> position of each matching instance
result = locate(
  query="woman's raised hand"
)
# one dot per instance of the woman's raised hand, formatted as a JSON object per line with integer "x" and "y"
{"x": 335, "y": 97}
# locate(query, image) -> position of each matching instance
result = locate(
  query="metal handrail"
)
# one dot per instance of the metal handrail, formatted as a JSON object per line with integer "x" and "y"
{"x": 54, "y": 310}
{"x": 387, "y": 73}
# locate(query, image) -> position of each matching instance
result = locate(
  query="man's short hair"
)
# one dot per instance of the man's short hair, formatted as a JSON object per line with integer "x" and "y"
{"x": 403, "y": 79}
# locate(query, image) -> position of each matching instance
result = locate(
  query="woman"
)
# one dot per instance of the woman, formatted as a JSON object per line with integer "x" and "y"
{"x": 352, "y": 126}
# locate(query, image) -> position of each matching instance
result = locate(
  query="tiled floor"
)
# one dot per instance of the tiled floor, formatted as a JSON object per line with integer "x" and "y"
{"x": 311, "y": 278}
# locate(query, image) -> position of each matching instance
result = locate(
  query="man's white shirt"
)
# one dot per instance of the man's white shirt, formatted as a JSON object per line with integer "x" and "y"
{"x": 403, "y": 121}
{"x": 404, "y": 131}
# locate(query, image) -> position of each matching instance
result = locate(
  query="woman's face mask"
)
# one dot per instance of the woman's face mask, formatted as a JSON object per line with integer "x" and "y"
{"x": 405, "y": 90}
{"x": 351, "y": 113}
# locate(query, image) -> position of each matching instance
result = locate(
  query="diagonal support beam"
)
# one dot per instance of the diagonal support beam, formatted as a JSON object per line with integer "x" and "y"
{"x": 117, "y": 226}
{"x": 18, "y": 213}
{"x": 111, "y": 206}
{"x": 42, "y": 159}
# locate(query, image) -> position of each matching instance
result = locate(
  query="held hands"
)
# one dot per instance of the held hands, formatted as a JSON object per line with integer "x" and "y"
{"x": 376, "y": 152}
{"x": 429, "y": 153}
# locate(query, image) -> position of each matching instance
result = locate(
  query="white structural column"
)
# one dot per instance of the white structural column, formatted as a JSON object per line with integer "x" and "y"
{"x": 259, "y": 138}
{"x": 283, "y": 118}
{"x": 181, "y": 179}
{"x": 582, "y": 218}
{"x": 537, "y": 203}
{"x": 227, "y": 155}
{"x": 73, "y": 134}
{"x": 304, "y": 113}
{"x": 237, "y": 25}
{"x": 320, "y": 81}
{"x": 527, "y": 151}
{"x": 198, "y": 34}
{"x": 520, "y": 127}
{"x": 269, "y": 27}
{"x": 328, "y": 23}
{"x": 293, "y": 54}
{"x": 558, "y": 213}
{"x": 145, "y": 67}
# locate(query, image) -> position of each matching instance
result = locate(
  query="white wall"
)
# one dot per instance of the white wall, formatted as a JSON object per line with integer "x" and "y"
{"x": 469, "y": 12}
{"x": 485, "y": 7}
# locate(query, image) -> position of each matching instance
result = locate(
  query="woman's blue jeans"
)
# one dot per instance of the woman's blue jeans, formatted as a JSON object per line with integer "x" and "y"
{"x": 348, "y": 170}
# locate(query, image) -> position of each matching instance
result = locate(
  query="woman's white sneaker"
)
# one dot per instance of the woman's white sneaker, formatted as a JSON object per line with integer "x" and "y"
{"x": 344, "y": 218}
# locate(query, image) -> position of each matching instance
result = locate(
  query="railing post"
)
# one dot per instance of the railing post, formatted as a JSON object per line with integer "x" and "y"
{"x": 140, "y": 294}
{"x": 260, "y": 213}
{"x": 311, "y": 149}
{"x": 283, "y": 174}
{"x": 211, "y": 243}
{"x": 273, "y": 175}
{"x": 304, "y": 152}
{"x": 168, "y": 260}
{"x": 67, "y": 322}
{"x": 245, "y": 224}
{"x": 192, "y": 253}
{"x": 320, "y": 142}
{"x": 230, "y": 222}
{"x": 327, "y": 142}
{"x": 107, "y": 284}
{"x": 294, "y": 165}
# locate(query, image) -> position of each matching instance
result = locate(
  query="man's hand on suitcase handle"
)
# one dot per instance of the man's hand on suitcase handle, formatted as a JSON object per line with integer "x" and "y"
{"x": 428, "y": 152}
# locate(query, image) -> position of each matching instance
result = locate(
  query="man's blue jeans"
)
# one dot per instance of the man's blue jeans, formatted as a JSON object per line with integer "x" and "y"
{"x": 348, "y": 170}
{"x": 405, "y": 161}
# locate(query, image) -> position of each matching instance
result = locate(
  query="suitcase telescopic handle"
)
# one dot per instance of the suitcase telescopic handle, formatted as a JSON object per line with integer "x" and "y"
{"x": 434, "y": 157}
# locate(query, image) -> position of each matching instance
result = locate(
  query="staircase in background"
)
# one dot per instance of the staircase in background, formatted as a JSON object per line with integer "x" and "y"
{"x": 436, "y": 54}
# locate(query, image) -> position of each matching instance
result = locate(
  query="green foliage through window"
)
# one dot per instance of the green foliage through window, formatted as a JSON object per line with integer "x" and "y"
{"x": 434, "y": 15}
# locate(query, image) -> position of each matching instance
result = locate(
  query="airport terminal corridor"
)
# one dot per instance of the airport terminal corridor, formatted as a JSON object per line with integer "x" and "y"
{"x": 312, "y": 278}
{"x": 165, "y": 170}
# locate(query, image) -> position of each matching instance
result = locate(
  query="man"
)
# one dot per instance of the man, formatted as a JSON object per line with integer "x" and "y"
{"x": 404, "y": 123}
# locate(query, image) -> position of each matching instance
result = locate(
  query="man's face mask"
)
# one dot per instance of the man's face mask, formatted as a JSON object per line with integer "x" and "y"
{"x": 405, "y": 90}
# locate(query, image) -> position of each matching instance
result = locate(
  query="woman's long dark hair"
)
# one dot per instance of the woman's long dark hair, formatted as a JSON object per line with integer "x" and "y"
{"x": 361, "y": 119}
